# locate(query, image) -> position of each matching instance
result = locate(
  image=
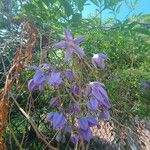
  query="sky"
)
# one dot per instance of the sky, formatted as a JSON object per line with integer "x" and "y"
{"x": 143, "y": 6}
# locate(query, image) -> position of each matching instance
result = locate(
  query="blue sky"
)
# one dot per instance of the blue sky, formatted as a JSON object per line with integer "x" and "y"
{"x": 143, "y": 6}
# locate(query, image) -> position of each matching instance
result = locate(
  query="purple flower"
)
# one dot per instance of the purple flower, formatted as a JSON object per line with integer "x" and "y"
{"x": 75, "y": 89}
{"x": 54, "y": 101}
{"x": 104, "y": 114}
{"x": 74, "y": 138}
{"x": 95, "y": 89}
{"x": 98, "y": 60}
{"x": 32, "y": 86}
{"x": 92, "y": 121}
{"x": 49, "y": 116}
{"x": 70, "y": 45}
{"x": 86, "y": 134}
{"x": 54, "y": 78}
{"x": 37, "y": 82}
{"x": 39, "y": 78}
{"x": 83, "y": 123}
{"x": 75, "y": 108}
{"x": 58, "y": 120}
{"x": 69, "y": 74}
{"x": 93, "y": 104}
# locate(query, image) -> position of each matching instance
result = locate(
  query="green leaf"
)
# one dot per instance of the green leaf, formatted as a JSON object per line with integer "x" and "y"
{"x": 76, "y": 17}
{"x": 67, "y": 7}
{"x": 45, "y": 6}
{"x": 80, "y": 4}
{"x": 95, "y": 2}
{"x": 142, "y": 31}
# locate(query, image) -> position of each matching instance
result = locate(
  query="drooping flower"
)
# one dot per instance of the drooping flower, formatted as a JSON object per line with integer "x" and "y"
{"x": 95, "y": 89}
{"x": 70, "y": 45}
{"x": 58, "y": 120}
{"x": 75, "y": 89}
{"x": 98, "y": 60}
{"x": 93, "y": 104}
{"x": 39, "y": 78}
{"x": 37, "y": 82}
{"x": 86, "y": 134}
{"x": 74, "y": 108}
{"x": 74, "y": 138}
{"x": 54, "y": 78}
{"x": 69, "y": 74}
{"x": 54, "y": 101}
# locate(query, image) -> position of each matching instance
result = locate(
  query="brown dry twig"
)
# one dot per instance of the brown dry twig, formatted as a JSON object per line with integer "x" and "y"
{"x": 22, "y": 56}
{"x": 30, "y": 120}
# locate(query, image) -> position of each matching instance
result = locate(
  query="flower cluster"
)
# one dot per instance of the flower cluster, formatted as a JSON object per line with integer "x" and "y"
{"x": 44, "y": 74}
{"x": 91, "y": 99}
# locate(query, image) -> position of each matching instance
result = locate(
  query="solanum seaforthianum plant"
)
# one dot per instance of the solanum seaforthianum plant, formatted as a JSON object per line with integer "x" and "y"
{"x": 87, "y": 102}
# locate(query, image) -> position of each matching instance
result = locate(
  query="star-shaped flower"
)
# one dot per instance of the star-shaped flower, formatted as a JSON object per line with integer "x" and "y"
{"x": 71, "y": 45}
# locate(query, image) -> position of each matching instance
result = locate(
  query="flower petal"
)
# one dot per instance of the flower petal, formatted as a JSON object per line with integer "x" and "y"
{"x": 58, "y": 120}
{"x": 97, "y": 94}
{"x": 93, "y": 104}
{"x": 78, "y": 39}
{"x": 68, "y": 54}
{"x": 83, "y": 123}
{"x": 79, "y": 51}
{"x": 39, "y": 77}
{"x": 55, "y": 78}
{"x": 92, "y": 121}
{"x": 61, "y": 44}
{"x": 31, "y": 85}
{"x": 68, "y": 35}
{"x": 86, "y": 134}
{"x": 105, "y": 97}
{"x": 101, "y": 95}
{"x": 75, "y": 89}
{"x": 69, "y": 74}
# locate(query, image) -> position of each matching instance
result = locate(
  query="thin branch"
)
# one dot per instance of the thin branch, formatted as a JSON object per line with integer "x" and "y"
{"x": 30, "y": 120}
